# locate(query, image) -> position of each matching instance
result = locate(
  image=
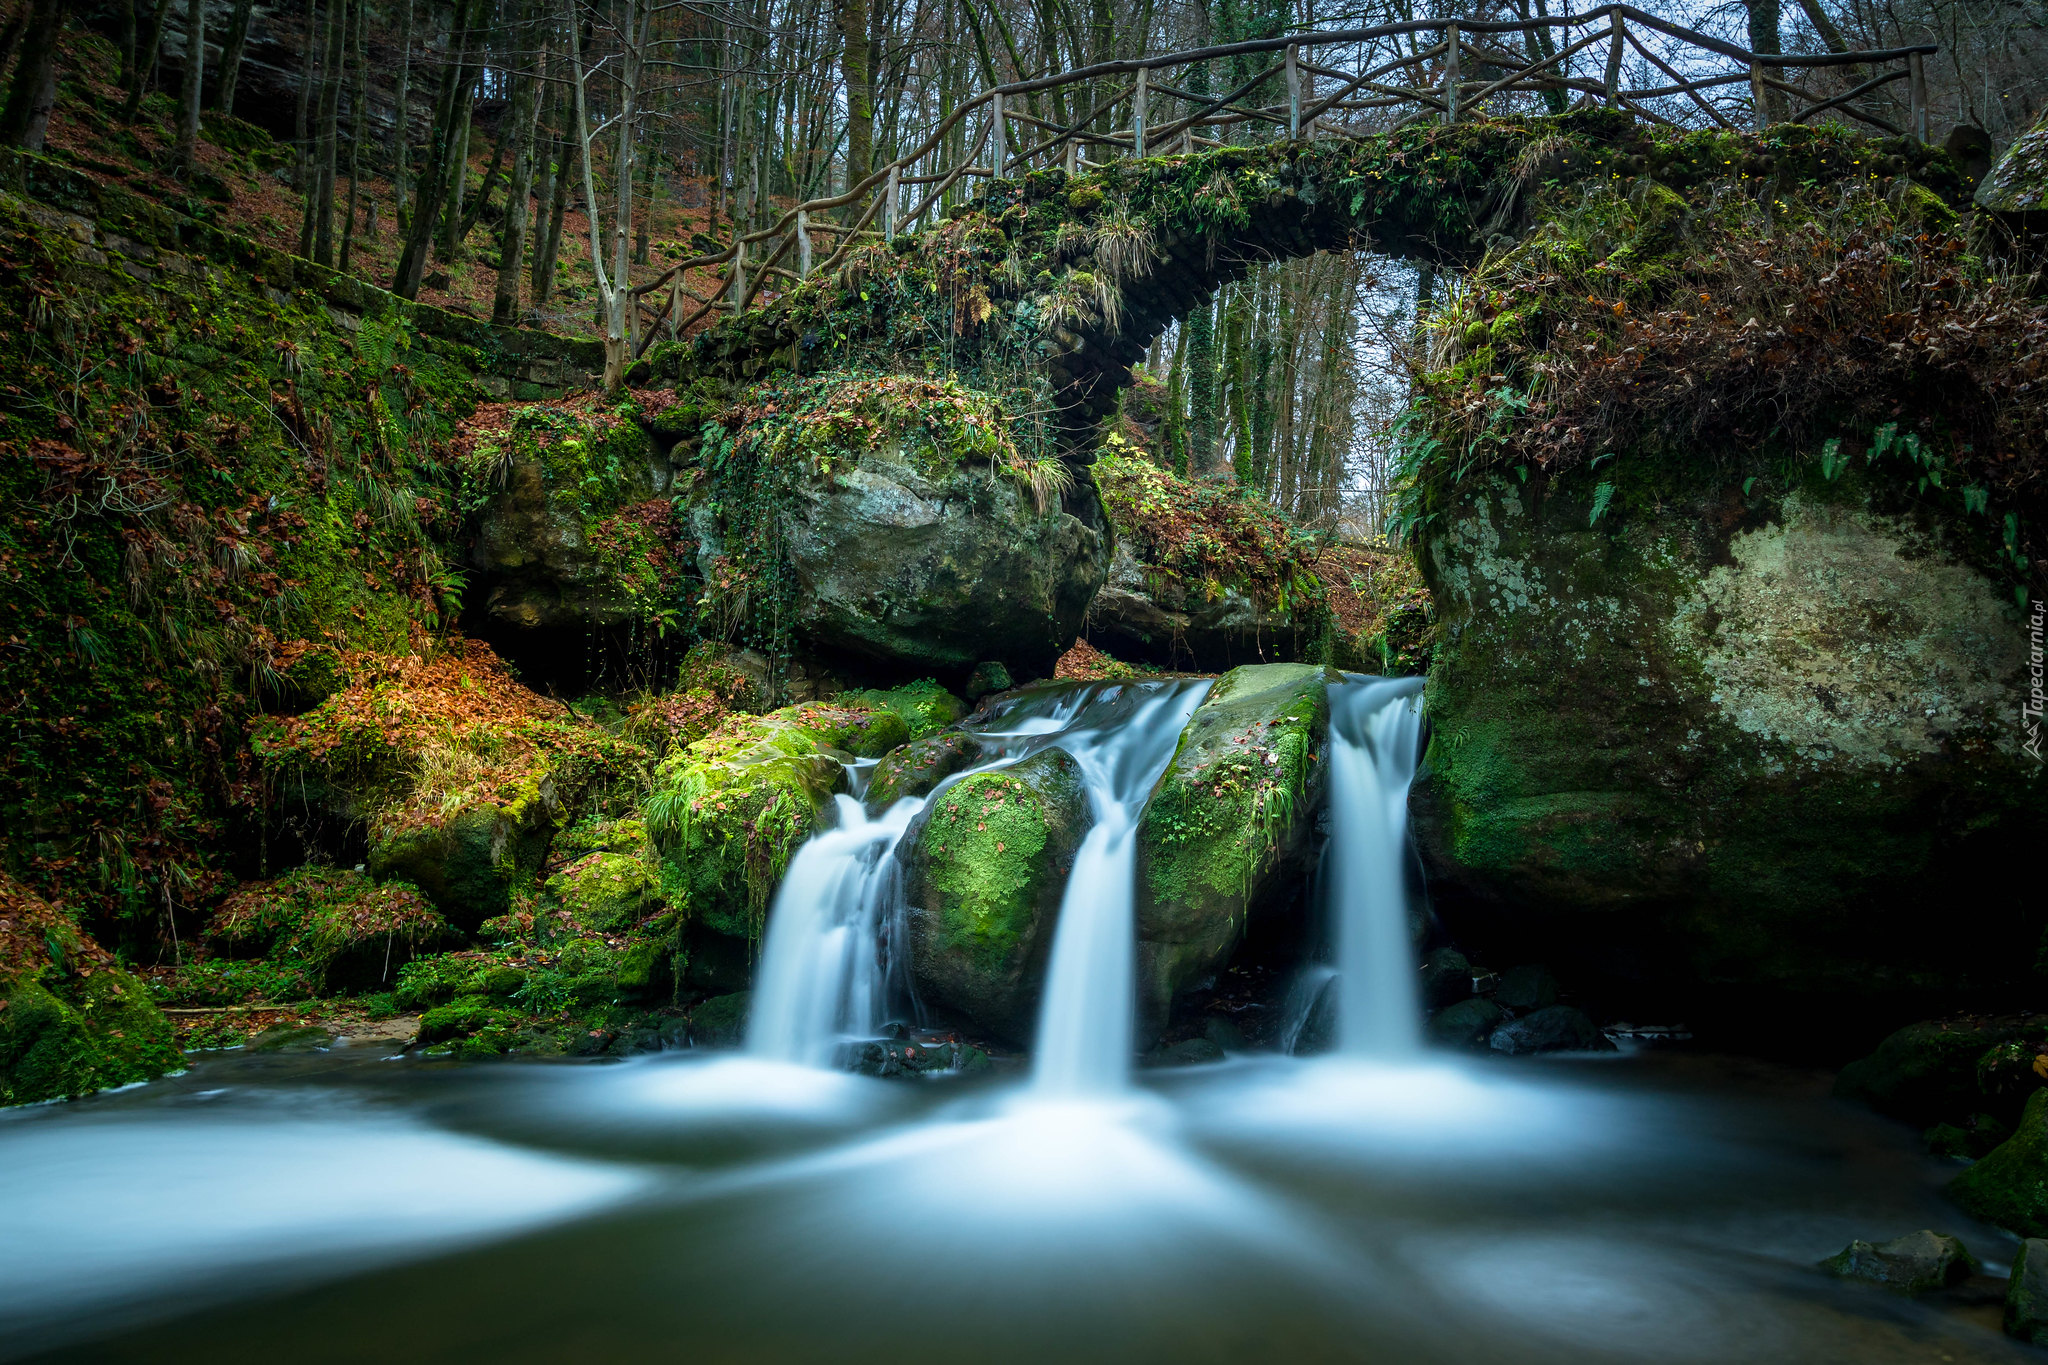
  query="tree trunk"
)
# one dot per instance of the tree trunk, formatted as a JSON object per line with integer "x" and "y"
{"x": 192, "y": 87}
{"x": 1764, "y": 37}
{"x": 401, "y": 119}
{"x": 358, "y": 122}
{"x": 124, "y": 39}
{"x": 860, "y": 94}
{"x": 232, "y": 46}
{"x": 330, "y": 130}
{"x": 145, "y": 60}
{"x": 458, "y": 177}
{"x": 551, "y": 250}
{"x": 37, "y": 69}
{"x": 433, "y": 183}
{"x": 512, "y": 241}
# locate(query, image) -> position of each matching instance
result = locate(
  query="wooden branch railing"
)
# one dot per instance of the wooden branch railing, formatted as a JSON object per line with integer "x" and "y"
{"x": 1428, "y": 81}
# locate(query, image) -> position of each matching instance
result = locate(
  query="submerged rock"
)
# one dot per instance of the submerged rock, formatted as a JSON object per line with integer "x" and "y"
{"x": 1710, "y": 744}
{"x": 1225, "y": 837}
{"x": 1467, "y": 1023}
{"x": 2009, "y": 1186}
{"x": 1913, "y": 1264}
{"x": 1554, "y": 1028}
{"x": 984, "y": 882}
{"x": 2026, "y": 1293}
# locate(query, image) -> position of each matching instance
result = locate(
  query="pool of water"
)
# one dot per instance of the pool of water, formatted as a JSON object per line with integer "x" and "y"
{"x": 348, "y": 1207}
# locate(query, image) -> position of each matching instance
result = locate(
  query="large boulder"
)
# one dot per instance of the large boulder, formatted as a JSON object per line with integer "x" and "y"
{"x": 984, "y": 883}
{"x": 1225, "y": 836}
{"x": 2018, "y": 183}
{"x": 2009, "y": 1187}
{"x": 1203, "y": 576}
{"x": 1717, "y": 752}
{"x": 1945, "y": 1070}
{"x": 574, "y": 523}
{"x": 909, "y": 526}
{"x": 71, "y": 1021}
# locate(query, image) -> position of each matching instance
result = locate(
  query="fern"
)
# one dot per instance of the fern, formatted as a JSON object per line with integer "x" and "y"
{"x": 1602, "y": 496}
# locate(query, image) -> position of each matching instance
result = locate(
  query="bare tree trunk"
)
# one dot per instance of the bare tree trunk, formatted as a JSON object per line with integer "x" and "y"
{"x": 613, "y": 287}
{"x": 145, "y": 61}
{"x": 401, "y": 124}
{"x": 512, "y": 242}
{"x": 232, "y": 46}
{"x": 358, "y": 122}
{"x": 1764, "y": 37}
{"x": 330, "y": 130}
{"x": 192, "y": 87}
{"x": 21, "y": 123}
{"x": 458, "y": 178}
{"x": 551, "y": 248}
{"x": 859, "y": 73}
{"x": 457, "y": 74}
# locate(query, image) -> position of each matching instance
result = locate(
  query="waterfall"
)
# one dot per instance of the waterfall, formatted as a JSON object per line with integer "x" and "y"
{"x": 823, "y": 977}
{"x": 1375, "y": 744}
{"x": 1084, "y": 1021}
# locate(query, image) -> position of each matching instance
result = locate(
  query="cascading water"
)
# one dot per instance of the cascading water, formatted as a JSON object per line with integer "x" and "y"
{"x": 1084, "y": 1022}
{"x": 1375, "y": 744}
{"x": 823, "y": 977}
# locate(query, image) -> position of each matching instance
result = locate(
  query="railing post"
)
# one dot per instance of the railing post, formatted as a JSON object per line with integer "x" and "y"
{"x": 1451, "y": 73}
{"x": 1916, "y": 68}
{"x": 803, "y": 244}
{"x": 1001, "y": 137}
{"x": 739, "y": 272}
{"x": 1293, "y": 95}
{"x": 1614, "y": 41}
{"x": 892, "y": 202}
{"x": 1138, "y": 102}
{"x": 1073, "y": 157}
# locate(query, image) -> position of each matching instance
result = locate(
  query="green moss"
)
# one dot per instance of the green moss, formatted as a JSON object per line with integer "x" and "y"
{"x": 323, "y": 928}
{"x": 987, "y": 838}
{"x": 729, "y": 811}
{"x": 1237, "y": 791}
{"x": 608, "y": 892}
{"x": 924, "y": 706}
{"x": 2010, "y": 1186}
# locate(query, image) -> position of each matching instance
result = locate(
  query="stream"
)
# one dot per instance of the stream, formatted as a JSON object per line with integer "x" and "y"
{"x": 1386, "y": 1202}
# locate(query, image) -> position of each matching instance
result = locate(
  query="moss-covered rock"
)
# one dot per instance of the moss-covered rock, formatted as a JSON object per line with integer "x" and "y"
{"x": 1226, "y": 833}
{"x": 984, "y": 884}
{"x": 71, "y": 1021}
{"x": 2018, "y": 184}
{"x": 1936, "y": 1071}
{"x": 1204, "y": 576}
{"x": 470, "y": 859}
{"x": 921, "y": 765}
{"x": 574, "y": 522}
{"x": 342, "y": 929}
{"x": 608, "y": 892}
{"x": 1703, "y": 742}
{"x": 729, "y": 812}
{"x": 2009, "y": 1187}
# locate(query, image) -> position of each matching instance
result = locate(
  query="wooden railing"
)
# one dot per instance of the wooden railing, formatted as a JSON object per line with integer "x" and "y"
{"x": 1427, "y": 81}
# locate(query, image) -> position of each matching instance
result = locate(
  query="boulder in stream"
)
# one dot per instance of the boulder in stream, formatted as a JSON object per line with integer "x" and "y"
{"x": 2009, "y": 1186}
{"x": 1913, "y": 1264}
{"x": 984, "y": 882}
{"x": 1225, "y": 837}
{"x": 2026, "y": 1293}
{"x": 1554, "y": 1028}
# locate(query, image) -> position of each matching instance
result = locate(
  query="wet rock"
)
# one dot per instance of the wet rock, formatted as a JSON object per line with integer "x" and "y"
{"x": 1929, "y": 1072}
{"x": 1913, "y": 1264}
{"x": 910, "y": 1057}
{"x": 2009, "y": 1186}
{"x": 2026, "y": 1293}
{"x": 1970, "y": 1140}
{"x": 984, "y": 881}
{"x": 1466, "y": 1023}
{"x": 292, "y": 1038}
{"x": 1527, "y": 987}
{"x": 1446, "y": 977}
{"x": 1224, "y": 1033}
{"x": 721, "y": 1021}
{"x": 917, "y": 767}
{"x": 1225, "y": 837}
{"x": 988, "y": 676}
{"x": 1554, "y": 1028}
{"x": 1779, "y": 731}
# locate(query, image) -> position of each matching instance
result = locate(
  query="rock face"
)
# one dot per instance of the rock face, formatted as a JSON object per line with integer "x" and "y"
{"x": 923, "y": 569}
{"x": 1225, "y": 837}
{"x": 1712, "y": 747}
{"x": 2018, "y": 184}
{"x": 2009, "y": 1187}
{"x": 1145, "y": 616}
{"x": 2026, "y": 1294}
{"x": 984, "y": 885}
{"x": 1913, "y": 1264}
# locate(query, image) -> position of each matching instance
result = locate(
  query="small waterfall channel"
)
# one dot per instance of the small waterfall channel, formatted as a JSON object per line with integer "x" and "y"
{"x": 1375, "y": 744}
{"x": 832, "y": 965}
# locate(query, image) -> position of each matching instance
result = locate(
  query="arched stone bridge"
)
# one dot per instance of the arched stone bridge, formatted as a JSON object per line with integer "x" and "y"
{"x": 1072, "y": 279}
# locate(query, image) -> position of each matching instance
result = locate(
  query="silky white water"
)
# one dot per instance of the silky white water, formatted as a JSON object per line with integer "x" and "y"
{"x": 1375, "y": 744}
{"x": 823, "y": 978}
{"x": 1084, "y": 1021}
